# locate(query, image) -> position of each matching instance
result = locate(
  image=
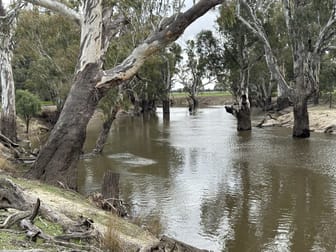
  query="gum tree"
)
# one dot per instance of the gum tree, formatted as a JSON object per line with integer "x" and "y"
{"x": 7, "y": 29}
{"x": 100, "y": 22}
{"x": 310, "y": 29}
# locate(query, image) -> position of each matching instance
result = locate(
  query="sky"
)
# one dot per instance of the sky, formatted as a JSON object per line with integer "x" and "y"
{"x": 206, "y": 22}
{"x": 203, "y": 23}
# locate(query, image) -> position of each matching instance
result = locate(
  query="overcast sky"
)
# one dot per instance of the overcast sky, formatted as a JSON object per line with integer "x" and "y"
{"x": 206, "y": 22}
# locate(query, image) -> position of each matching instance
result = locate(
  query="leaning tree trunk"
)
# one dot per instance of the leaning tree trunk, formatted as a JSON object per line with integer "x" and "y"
{"x": 57, "y": 161}
{"x": 100, "y": 143}
{"x": 8, "y": 113}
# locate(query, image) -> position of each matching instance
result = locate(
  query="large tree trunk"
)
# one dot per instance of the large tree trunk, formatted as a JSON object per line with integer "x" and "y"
{"x": 192, "y": 104}
{"x": 57, "y": 161}
{"x": 8, "y": 113}
{"x": 244, "y": 112}
{"x": 244, "y": 115}
{"x": 301, "y": 118}
{"x": 100, "y": 143}
{"x": 166, "y": 109}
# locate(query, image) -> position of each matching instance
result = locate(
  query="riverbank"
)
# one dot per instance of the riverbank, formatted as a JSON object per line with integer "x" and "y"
{"x": 322, "y": 119}
{"x": 204, "y": 100}
{"x": 111, "y": 231}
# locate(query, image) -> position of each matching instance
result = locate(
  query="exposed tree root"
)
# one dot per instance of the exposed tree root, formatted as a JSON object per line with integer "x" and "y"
{"x": 13, "y": 197}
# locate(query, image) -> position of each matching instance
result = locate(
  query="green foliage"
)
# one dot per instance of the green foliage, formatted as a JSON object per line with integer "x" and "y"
{"x": 27, "y": 105}
{"x": 45, "y": 54}
{"x": 227, "y": 18}
{"x": 328, "y": 73}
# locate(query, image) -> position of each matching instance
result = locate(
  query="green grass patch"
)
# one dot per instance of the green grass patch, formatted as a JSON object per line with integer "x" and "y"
{"x": 48, "y": 227}
{"x": 47, "y": 103}
{"x": 204, "y": 94}
{"x": 11, "y": 241}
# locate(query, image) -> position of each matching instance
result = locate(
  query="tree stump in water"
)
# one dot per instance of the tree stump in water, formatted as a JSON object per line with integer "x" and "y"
{"x": 109, "y": 198}
{"x": 110, "y": 187}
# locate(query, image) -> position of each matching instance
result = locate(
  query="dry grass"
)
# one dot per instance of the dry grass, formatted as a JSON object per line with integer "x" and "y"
{"x": 5, "y": 165}
{"x": 111, "y": 241}
{"x": 152, "y": 224}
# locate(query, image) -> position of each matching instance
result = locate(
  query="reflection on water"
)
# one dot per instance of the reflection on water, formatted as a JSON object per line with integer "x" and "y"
{"x": 218, "y": 189}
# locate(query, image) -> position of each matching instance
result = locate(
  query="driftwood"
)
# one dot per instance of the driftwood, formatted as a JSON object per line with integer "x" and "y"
{"x": 109, "y": 198}
{"x": 167, "y": 244}
{"x": 265, "y": 119}
{"x": 114, "y": 205}
{"x": 330, "y": 129}
{"x": 7, "y": 142}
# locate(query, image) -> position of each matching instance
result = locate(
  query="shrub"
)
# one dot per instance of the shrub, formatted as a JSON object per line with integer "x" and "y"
{"x": 27, "y": 105}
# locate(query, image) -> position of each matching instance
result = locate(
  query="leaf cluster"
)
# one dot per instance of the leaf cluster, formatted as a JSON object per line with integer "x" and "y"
{"x": 27, "y": 104}
{"x": 45, "y": 54}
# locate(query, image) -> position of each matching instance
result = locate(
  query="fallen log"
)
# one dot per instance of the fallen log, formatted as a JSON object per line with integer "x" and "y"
{"x": 168, "y": 244}
{"x": 7, "y": 142}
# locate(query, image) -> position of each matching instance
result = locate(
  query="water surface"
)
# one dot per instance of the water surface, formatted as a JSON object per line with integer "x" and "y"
{"x": 219, "y": 189}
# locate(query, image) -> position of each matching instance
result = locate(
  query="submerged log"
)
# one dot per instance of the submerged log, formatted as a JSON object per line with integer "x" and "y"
{"x": 168, "y": 244}
{"x": 268, "y": 121}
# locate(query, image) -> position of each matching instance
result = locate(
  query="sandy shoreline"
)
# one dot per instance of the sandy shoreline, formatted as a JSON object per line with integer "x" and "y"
{"x": 321, "y": 118}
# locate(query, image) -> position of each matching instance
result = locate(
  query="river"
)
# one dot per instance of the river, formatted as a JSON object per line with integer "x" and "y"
{"x": 218, "y": 189}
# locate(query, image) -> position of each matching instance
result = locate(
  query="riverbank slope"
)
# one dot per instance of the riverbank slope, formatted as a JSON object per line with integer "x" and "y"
{"x": 322, "y": 119}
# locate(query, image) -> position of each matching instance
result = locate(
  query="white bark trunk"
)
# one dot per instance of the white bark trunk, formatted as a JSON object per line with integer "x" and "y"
{"x": 91, "y": 34}
{"x": 8, "y": 112}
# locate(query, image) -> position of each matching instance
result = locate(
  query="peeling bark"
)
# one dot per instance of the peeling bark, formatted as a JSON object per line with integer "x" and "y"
{"x": 8, "y": 112}
{"x": 301, "y": 119}
{"x": 57, "y": 161}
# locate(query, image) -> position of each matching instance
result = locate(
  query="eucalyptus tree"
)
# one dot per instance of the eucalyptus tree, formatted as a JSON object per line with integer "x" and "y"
{"x": 328, "y": 76}
{"x": 199, "y": 66}
{"x": 169, "y": 62}
{"x": 7, "y": 29}
{"x": 100, "y": 22}
{"x": 310, "y": 28}
{"x": 241, "y": 53}
{"x": 157, "y": 76}
{"x": 28, "y": 105}
{"x": 45, "y": 54}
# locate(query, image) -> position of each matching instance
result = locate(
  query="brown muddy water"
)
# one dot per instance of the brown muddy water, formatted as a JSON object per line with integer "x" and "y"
{"x": 218, "y": 189}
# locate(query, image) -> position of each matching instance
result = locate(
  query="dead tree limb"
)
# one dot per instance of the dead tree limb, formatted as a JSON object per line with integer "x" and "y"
{"x": 7, "y": 142}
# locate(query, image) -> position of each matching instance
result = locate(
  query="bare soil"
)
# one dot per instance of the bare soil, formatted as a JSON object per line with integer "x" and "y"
{"x": 321, "y": 117}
